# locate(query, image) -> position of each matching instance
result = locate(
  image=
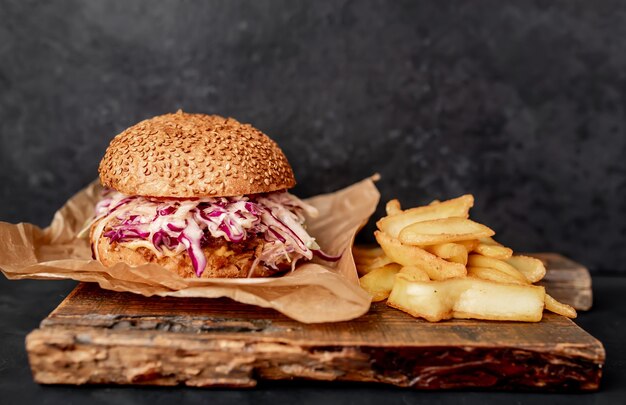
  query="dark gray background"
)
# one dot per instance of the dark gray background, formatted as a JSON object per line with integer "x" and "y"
{"x": 521, "y": 104}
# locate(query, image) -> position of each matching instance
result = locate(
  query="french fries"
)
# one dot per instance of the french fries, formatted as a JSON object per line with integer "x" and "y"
{"x": 488, "y": 240}
{"x": 443, "y": 230}
{"x": 495, "y": 251}
{"x": 436, "y": 267}
{"x": 533, "y": 269}
{"x": 369, "y": 258}
{"x": 458, "y": 207}
{"x": 467, "y": 297}
{"x": 379, "y": 282}
{"x": 414, "y": 273}
{"x": 489, "y": 273}
{"x": 501, "y": 266}
{"x": 393, "y": 207}
{"x": 553, "y": 305}
{"x": 435, "y": 263}
{"x": 453, "y": 252}
{"x": 366, "y": 267}
{"x": 470, "y": 245}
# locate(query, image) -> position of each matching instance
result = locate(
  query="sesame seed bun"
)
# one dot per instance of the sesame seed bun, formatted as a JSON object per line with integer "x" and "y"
{"x": 194, "y": 155}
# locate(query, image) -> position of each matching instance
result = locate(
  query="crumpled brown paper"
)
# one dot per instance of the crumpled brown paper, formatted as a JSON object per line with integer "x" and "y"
{"x": 315, "y": 292}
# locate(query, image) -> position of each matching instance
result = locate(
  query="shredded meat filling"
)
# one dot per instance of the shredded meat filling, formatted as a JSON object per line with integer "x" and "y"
{"x": 229, "y": 258}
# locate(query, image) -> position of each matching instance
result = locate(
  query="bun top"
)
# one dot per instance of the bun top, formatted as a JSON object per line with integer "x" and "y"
{"x": 194, "y": 155}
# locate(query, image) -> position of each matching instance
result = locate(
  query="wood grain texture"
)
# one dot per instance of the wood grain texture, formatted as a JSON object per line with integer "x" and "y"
{"x": 100, "y": 337}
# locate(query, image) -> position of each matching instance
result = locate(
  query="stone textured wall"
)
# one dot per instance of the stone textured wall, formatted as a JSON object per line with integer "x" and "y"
{"x": 520, "y": 104}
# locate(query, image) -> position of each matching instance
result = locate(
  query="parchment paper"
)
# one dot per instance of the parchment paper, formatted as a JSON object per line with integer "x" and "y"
{"x": 315, "y": 292}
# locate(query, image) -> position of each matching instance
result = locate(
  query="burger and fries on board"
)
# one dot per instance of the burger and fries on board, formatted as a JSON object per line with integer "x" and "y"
{"x": 193, "y": 207}
{"x": 204, "y": 197}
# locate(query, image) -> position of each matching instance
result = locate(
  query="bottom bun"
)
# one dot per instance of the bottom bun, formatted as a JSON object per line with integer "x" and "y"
{"x": 222, "y": 261}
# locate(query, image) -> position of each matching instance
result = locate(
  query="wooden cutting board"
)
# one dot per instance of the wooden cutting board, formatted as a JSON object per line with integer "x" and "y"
{"x": 97, "y": 336}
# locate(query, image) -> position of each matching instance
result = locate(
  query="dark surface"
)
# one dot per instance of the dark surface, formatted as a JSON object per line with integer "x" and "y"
{"x": 23, "y": 304}
{"x": 521, "y": 104}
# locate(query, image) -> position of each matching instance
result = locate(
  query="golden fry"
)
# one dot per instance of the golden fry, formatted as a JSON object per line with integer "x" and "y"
{"x": 443, "y": 230}
{"x": 414, "y": 273}
{"x": 437, "y": 268}
{"x": 379, "y": 282}
{"x": 470, "y": 245}
{"x": 488, "y": 273}
{"x": 467, "y": 297}
{"x": 393, "y": 207}
{"x": 488, "y": 240}
{"x": 453, "y": 252}
{"x": 495, "y": 251}
{"x": 458, "y": 207}
{"x": 460, "y": 259}
{"x": 557, "y": 307}
{"x": 483, "y": 261}
{"x": 532, "y": 268}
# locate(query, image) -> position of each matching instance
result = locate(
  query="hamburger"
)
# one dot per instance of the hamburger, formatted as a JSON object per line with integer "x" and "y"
{"x": 202, "y": 196}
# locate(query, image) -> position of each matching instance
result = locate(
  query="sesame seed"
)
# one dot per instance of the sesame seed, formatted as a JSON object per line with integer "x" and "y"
{"x": 185, "y": 147}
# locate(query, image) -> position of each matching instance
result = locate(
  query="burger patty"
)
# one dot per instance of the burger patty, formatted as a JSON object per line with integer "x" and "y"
{"x": 224, "y": 259}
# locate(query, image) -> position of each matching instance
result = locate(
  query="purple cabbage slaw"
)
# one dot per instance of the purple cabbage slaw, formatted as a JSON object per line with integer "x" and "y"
{"x": 170, "y": 226}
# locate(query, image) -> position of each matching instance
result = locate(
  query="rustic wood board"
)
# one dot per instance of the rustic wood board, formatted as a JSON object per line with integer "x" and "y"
{"x": 104, "y": 337}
